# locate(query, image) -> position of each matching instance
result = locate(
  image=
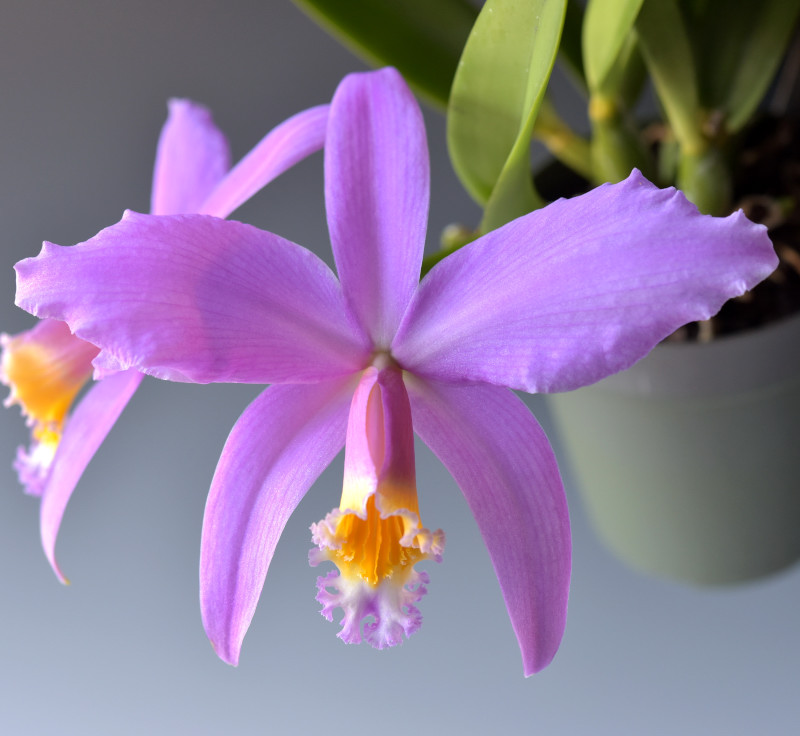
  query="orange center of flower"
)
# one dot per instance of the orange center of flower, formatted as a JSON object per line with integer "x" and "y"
{"x": 370, "y": 548}
{"x": 45, "y": 369}
{"x": 45, "y": 394}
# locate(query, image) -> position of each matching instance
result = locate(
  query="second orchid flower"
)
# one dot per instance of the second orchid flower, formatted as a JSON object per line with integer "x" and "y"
{"x": 46, "y": 366}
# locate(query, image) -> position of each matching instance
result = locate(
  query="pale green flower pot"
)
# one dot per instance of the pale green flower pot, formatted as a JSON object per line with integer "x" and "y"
{"x": 689, "y": 462}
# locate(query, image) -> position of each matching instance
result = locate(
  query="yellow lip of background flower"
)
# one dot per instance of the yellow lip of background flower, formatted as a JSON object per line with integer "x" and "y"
{"x": 45, "y": 368}
{"x": 34, "y": 463}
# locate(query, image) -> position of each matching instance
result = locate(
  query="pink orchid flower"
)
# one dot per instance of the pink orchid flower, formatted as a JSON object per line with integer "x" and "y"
{"x": 557, "y": 299}
{"x": 47, "y": 366}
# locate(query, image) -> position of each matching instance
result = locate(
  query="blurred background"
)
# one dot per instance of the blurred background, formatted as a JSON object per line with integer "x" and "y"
{"x": 83, "y": 91}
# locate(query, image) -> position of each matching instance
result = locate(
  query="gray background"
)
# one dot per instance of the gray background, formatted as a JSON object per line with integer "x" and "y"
{"x": 122, "y": 650}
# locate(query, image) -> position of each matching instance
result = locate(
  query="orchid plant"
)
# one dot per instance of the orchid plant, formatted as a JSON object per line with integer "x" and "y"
{"x": 557, "y": 298}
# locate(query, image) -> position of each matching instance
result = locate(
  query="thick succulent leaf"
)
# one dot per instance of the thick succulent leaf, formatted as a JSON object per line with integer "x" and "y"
{"x": 422, "y": 39}
{"x": 607, "y": 24}
{"x": 496, "y": 94}
{"x": 717, "y": 35}
{"x": 570, "y": 53}
{"x": 770, "y": 29}
{"x": 667, "y": 51}
{"x": 737, "y": 48}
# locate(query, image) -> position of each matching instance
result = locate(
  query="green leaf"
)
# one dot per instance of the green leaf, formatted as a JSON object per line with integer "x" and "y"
{"x": 607, "y": 25}
{"x": 667, "y": 52}
{"x": 625, "y": 79}
{"x": 570, "y": 53}
{"x": 771, "y": 25}
{"x": 423, "y": 39}
{"x": 631, "y": 82}
{"x": 718, "y": 30}
{"x": 617, "y": 146}
{"x": 497, "y": 90}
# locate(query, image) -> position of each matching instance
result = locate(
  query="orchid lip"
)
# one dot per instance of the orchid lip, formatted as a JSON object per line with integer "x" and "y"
{"x": 375, "y": 537}
{"x": 45, "y": 368}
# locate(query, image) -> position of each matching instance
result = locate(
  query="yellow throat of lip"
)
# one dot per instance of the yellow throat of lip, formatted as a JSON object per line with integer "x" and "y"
{"x": 371, "y": 549}
{"x": 46, "y": 435}
{"x": 40, "y": 383}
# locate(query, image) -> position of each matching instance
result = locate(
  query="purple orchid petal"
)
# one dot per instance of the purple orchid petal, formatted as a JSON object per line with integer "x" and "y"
{"x": 572, "y": 293}
{"x": 283, "y": 147}
{"x": 277, "y": 449}
{"x": 192, "y": 158}
{"x": 196, "y": 298}
{"x": 88, "y": 426}
{"x": 503, "y": 463}
{"x": 376, "y": 194}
